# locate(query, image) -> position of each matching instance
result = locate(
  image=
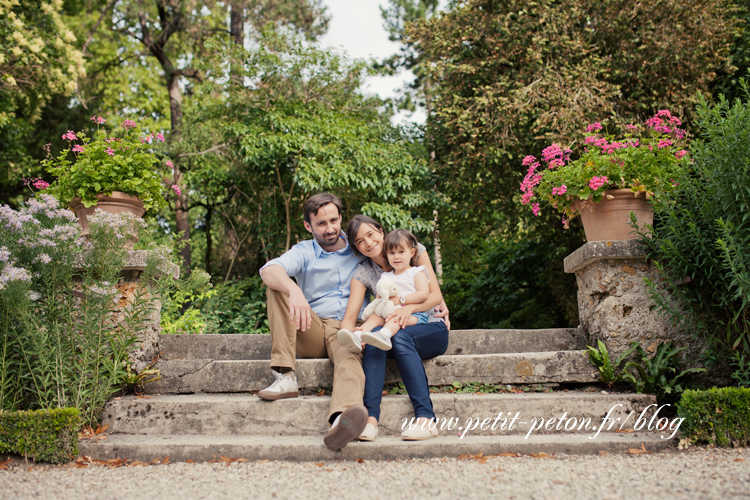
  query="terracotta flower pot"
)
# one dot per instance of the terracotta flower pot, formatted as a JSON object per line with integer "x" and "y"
{"x": 116, "y": 203}
{"x": 609, "y": 219}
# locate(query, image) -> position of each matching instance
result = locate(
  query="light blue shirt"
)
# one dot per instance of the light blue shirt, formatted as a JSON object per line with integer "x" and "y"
{"x": 324, "y": 277}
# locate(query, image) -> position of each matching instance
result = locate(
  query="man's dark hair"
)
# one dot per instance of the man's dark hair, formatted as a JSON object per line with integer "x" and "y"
{"x": 353, "y": 228}
{"x": 316, "y": 201}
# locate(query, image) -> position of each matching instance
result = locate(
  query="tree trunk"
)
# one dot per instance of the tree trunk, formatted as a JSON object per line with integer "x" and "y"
{"x": 209, "y": 240}
{"x": 237, "y": 31}
{"x": 181, "y": 206}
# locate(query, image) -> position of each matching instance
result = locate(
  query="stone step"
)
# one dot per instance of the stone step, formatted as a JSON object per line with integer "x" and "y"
{"x": 249, "y": 347}
{"x": 207, "y": 375}
{"x": 180, "y": 448}
{"x": 245, "y": 414}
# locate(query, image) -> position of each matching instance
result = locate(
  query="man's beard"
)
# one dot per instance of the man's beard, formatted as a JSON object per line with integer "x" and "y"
{"x": 327, "y": 241}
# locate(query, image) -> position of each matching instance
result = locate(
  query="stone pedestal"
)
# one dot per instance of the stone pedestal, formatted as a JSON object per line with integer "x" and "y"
{"x": 613, "y": 300}
{"x": 129, "y": 286}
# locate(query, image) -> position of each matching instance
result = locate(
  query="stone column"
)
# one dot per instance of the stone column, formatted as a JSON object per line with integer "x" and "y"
{"x": 613, "y": 299}
{"x": 128, "y": 285}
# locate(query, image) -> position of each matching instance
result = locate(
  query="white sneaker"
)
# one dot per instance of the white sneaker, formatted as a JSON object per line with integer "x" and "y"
{"x": 370, "y": 433}
{"x": 284, "y": 387}
{"x": 351, "y": 340}
{"x": 424, "y": 429}
{"x": 377, "y": 339}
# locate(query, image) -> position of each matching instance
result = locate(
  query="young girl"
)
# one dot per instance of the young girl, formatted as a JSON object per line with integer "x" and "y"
{"x": 400, "y": 247}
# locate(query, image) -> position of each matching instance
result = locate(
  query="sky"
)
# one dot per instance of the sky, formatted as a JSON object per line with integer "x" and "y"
{"x": 357, "y": 27}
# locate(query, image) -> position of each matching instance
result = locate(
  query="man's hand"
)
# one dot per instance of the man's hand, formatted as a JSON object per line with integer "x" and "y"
{"x": 300, "y": 313}
{"x": 442, "y": 311}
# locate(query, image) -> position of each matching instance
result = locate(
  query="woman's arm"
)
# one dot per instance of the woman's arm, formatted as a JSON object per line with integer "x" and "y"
{"x": 357, "y": 293}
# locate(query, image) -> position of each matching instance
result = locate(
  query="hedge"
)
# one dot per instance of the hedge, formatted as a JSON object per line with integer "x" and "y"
{"x": 42, "y": 435}
{"x": 716, "y": 416}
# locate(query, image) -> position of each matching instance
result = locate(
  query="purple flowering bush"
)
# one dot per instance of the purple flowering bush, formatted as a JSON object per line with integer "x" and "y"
{"x": 60, "y": 345}
{"x": 647, "y": 159}
{"x": 121, "y": 160}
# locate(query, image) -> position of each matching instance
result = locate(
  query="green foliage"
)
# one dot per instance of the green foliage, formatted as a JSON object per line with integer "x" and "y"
{"x": 504, "y": 287}
{"x": 107, "y": 164}
{"x": 237, "y": 307}
{"x": 60, "y": 342}
{"x": 701, "y": 234}
{"x": 717, "y": 416}
{"x": 179, "y": 313}
{"x": 741, "y": 369}
{"x": 608, "y": 371}
{"x": 42, "y": 435}
{"x": 644, "y": 162}
{"x": 660, "y": 374}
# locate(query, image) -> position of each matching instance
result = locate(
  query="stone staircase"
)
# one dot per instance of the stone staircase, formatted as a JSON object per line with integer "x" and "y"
{"x": 203, "y": 406}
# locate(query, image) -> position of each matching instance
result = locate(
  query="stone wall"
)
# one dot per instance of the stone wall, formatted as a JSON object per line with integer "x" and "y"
{"x": 129, "y": 286}
{"x": 613, "y": 300}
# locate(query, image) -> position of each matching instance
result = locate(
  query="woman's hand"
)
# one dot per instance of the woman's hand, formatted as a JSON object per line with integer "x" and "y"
{"x": 401, "y": 315}
{"x": 441, "y": 311}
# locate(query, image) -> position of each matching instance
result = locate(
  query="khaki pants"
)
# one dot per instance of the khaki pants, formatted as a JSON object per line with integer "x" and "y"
{"x": 319, "y": 341}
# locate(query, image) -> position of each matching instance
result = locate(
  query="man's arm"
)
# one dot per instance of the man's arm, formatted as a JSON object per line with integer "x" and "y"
{"x": 275, "y": 278}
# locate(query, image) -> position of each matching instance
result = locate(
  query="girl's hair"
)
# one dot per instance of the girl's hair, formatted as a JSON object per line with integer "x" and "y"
{"x": 353, "y": 228}
{"x": 401, "y": 238}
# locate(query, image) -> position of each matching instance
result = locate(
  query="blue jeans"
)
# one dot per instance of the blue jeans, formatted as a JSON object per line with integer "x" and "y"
{"x": 410, "y": 346}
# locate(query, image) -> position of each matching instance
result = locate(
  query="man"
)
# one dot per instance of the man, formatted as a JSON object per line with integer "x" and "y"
{"x": 305, "y": 317}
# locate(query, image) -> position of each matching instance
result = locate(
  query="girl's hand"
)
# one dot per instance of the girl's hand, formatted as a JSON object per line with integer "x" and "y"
{"x": 401, "y": 315}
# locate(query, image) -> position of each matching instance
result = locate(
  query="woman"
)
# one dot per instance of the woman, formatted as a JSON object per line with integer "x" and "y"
{"x": 413, "y": 343}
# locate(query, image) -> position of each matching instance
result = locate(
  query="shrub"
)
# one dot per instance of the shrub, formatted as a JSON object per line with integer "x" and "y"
{"x": 60, "y": 343}
{"x": 716, "y": 416}
{"x": 701, "y": 235}
{"x": 237, "y": 307}
{"x": 42, "y": 435}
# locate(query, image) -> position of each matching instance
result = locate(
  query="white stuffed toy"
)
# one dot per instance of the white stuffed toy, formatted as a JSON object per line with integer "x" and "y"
{"x": 382, "y": 306}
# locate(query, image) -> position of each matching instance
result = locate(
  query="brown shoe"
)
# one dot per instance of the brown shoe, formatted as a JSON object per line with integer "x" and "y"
{"x": 350, "y": 425}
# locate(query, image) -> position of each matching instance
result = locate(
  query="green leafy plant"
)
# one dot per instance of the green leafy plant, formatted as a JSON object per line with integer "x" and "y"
{"x": 719, "y": 416}
{"x": 646, "y": 160}
{"x": 700, "y": 240}
{"x": 66, "y": 329}
{"x": 661, "y": 374}
{"x": 108, "y": 163}
{"x": 608, "y": 371}
{"x": 42, "y": 435}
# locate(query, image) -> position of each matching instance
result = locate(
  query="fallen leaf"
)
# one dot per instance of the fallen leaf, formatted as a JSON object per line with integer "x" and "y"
{"x": 98, "y": 438}
{"x": 155, "y": 461}
{"x": 166, "y": 460}
{"x": 638, "y": 451}
{"x": 137, "y": 464}
{"x": 321, "y": 464}
{"x": 144, "y": 397}
{"x": 101, "y": 429}
{"x": 482, "y": 460}
{"x": 188, "y": 461}
{"x": 624, "y": 431}
{"x": 603, "y": 453}
{"x": 322, "y": 392}
{"x": 508, "y": 454}
{"x": 541, "y": 454}
{"x": 261, "y": 461}
{"x": 360, "y": 461}
{"x": 230, "y": 460}
{"x": 498, "y": 469}
{"x": 4, "y": 465}
{"x": 329, "y": 470}
{"x": 471, "y": 457}
{"x": 736, "y": 460}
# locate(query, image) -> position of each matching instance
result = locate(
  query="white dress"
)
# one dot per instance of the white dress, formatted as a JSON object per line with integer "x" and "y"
{"x": 405, "y": 280}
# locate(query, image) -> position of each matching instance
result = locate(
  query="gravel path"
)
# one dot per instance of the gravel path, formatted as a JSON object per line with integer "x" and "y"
{"x": 695, "y": 473}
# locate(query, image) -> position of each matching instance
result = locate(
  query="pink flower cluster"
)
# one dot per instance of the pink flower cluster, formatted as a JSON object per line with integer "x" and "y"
{"x": 98, "y": 119}
{"x": 70, "y": 136}
{"x": 594, "y": 126}
{"x": 679, "y": 154}
{"x": 559, "y": 191}
{"x": 664, "y": 143}
{"x": 128, "y": 124}
{"x": 170, "y": 164}
{"x": 177, "y": 190}
{"x": 110, "y": 151}
{"x": 530, "y": 181}
{"x": 597, "y": 182}
{"x": 41, "y": 184}
{"x": 154, "y": 135}
{"x": 555, "y": 156}
{"x": 661, "y": 123}
{"x": 78, "y": 148}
